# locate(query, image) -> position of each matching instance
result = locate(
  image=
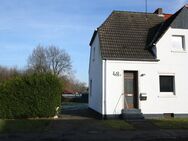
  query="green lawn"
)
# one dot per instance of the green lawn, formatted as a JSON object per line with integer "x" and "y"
{"x": 117, "y": 124}
{"x": 45, "y": 125}
{"x": 8, "y": 126}
{"x": 176, "y": 123}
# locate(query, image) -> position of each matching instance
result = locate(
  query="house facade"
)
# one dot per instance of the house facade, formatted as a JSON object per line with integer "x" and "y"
{"x": 139, "y": 61}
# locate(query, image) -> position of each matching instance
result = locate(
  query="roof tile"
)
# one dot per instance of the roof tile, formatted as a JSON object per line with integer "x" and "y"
{"x": 126, "y": 35}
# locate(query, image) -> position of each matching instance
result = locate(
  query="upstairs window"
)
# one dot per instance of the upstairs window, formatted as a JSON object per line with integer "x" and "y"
{"x": 178, "y": 43}
{"x": 166, "y": 83}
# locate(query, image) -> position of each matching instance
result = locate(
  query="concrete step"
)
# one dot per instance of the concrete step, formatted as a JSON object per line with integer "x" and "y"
{"x": 132, "y": 114}
{"x": 131, "y": 111}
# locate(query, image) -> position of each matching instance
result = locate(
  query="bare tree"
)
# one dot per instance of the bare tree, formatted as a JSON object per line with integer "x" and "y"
{"x": 37, "y": 61}
{"x": 8, "y": 73}
{"x": 59, "y": 61}
{"x": 80, "y": 86}
{"x": 50, "y": 59}
{"x": 73, "y": 84}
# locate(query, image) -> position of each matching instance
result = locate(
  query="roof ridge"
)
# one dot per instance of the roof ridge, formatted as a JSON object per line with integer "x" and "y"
{"x": 133, "y": 12}
{"x": 105, "y": 20}
{"x": 119, "y": 11}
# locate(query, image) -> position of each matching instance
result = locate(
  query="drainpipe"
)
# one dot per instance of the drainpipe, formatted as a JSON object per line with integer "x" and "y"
{"x": 105, "y": 116}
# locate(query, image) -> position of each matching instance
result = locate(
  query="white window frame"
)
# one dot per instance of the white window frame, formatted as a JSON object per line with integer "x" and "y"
{"x": 167, "y": 94}
{"x": 183, "y": 49}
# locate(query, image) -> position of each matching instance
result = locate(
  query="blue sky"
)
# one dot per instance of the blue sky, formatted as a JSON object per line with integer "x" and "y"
{"x": 68, "y": 24}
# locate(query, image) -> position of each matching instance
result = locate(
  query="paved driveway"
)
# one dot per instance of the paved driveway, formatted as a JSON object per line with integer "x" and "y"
{"x": 77, "y": 124}
{"x": 71, "y": 110}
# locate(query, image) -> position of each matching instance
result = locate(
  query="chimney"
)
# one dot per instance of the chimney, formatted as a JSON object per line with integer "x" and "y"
{"x": 159, "y": 11}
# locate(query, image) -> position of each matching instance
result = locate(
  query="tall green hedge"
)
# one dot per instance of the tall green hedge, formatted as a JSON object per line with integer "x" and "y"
{"x": 28, "y": 96}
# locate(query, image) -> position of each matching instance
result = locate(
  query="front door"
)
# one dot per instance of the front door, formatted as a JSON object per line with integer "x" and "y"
{"x": 131, "y": 89}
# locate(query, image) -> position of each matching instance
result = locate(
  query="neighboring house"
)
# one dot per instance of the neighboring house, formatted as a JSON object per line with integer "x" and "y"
{"x": 140, "y": 61}
{"x": 70, "y": 94}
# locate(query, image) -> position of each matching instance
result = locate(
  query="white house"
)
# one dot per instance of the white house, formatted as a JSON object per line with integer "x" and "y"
{"x": 139, "y": 62}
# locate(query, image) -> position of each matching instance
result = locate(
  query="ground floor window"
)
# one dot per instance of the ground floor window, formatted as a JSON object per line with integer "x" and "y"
{"x": 90, "y": 87}
{"x": 167, "y": 83}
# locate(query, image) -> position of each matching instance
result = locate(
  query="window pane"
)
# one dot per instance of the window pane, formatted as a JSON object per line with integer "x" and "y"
{"x": 177, "y": 42}
{"x": 166, "y": 83}
{"x": 129, "y": 86}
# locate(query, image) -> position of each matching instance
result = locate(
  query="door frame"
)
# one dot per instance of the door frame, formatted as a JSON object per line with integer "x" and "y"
{"x": 136, "y": 90}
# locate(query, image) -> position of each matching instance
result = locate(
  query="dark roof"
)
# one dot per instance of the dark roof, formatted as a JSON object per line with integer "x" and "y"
{"x": 165, "y": 25}
{"x": 126, "y": 35}
{"x": 130, "y": 35}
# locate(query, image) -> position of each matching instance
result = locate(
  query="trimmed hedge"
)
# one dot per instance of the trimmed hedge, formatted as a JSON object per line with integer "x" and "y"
{"x": 29, "y": 96}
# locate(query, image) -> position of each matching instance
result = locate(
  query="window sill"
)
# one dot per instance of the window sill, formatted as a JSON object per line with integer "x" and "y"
{"x": 178, "y": 51}
{"x": 167, "y": 95}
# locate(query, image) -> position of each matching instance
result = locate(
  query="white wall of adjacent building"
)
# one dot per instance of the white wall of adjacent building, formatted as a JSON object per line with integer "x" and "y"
{"x": 171, "y": 62}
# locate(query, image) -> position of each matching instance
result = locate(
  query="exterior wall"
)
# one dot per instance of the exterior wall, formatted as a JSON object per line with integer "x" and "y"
{"x": 95, "y": 74}
{"x": 115, "y": 84}
{"x": 171, "y": 63}
{"x": 174, "y": 62}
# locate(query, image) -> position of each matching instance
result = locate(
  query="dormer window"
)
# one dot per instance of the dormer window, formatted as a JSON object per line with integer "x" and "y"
{"x": 178, "y": 43}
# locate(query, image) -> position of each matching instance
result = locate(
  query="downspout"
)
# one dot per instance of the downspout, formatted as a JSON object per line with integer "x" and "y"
{"x": 105, "y": 115}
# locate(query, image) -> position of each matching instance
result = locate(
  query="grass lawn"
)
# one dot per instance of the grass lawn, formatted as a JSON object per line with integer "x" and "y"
{"x": 42, "y": 125}
{"x": 45, "y": 125}
{"x": 14, "y": 126}
{"x": 117, "y": 124}
{"x": 176, "y": 123}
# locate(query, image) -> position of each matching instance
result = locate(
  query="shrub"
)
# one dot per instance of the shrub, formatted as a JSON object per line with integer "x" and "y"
{"x": 30, "y": 95}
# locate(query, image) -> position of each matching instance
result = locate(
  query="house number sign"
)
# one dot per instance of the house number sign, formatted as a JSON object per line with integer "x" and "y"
{"x": 116, "y": 73}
